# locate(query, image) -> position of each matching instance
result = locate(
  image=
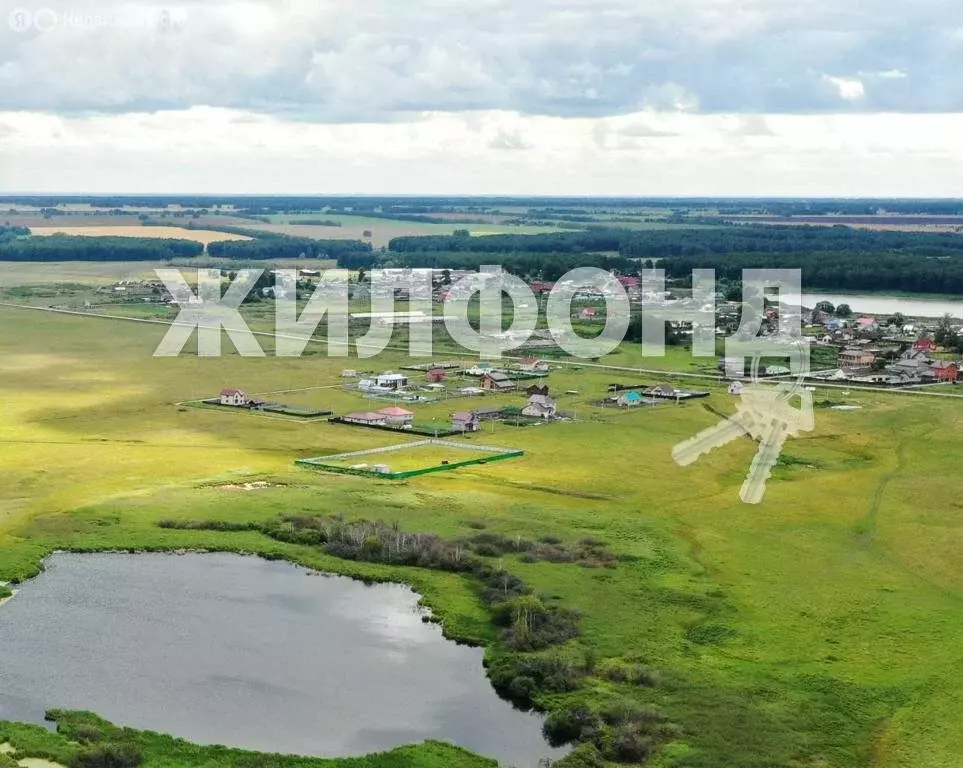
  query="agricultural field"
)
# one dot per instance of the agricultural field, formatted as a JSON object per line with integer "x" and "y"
{"x": 382, "y": 230}
{"x": 820, "y": 628}
{"x": 164, "y": 233}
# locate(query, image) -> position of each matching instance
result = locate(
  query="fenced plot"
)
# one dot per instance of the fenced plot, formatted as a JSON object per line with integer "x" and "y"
{"x": 397, "y": 462}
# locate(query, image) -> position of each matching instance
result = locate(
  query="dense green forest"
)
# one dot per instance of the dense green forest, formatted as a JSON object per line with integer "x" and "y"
{"x": 65, "y": 248}
{"x": 839, "y": 270}
{"x": 680, "y": 241}
{"x": 552, "y": 242}
{"x": 540, "y": 266}
{"x": 352, "y": 254}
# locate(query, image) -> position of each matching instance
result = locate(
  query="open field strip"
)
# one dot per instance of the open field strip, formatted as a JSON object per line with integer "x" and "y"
{"x": 660, "y": 372}
{"x": 163, "y": 233}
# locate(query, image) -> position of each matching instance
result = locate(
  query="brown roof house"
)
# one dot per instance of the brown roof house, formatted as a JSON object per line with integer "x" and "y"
{"x": 498, "y": 382}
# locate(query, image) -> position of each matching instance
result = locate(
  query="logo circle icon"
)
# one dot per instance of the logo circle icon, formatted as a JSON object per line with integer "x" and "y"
{"x": 45, "y": 19}
{"x": 20, "y": 20}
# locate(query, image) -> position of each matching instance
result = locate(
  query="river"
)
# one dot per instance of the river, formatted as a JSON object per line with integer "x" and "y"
{"x": 877, "y": 304}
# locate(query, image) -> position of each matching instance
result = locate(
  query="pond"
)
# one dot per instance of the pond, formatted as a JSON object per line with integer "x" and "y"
{"x": 234, "y": 650}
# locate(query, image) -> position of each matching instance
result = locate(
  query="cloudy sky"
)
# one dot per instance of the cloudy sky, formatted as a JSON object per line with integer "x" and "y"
{"x": 594, "y": 97}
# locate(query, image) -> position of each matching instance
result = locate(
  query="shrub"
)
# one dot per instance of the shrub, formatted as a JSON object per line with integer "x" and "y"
{"x": 5, "y": 592}
{"x": 531, "y": 625}
{"x": 583, "y": 756}
{"x": 631, "y": 745}
{"x": 8, "y": 762}
{"x": 518, "y": 678}
{"x": 576, "y": 723}
{"x": 114, "y": 755}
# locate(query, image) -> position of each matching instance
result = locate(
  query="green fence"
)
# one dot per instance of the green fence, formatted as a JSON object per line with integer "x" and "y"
{"x": 493, "y": 454}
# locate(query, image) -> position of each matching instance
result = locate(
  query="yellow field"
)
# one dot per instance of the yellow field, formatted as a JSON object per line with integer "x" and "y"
{"x": 165, "y": 233}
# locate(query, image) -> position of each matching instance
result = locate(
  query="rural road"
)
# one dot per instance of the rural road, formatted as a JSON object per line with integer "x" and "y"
{"x": 578, "y": 363}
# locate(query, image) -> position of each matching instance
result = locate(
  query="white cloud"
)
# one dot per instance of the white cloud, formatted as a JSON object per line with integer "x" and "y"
{"x": 849, "y": 88}
{"x": 330, "y": 60}
{"x": 219, "y": 150}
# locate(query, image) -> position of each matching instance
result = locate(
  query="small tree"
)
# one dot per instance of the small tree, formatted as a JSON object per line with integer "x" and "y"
{"x": 825, "y": 306}
{"x": 844, "y": 310}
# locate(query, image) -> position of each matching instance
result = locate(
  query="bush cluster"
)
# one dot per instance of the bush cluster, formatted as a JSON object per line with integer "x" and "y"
{"x": 620, "y": 730}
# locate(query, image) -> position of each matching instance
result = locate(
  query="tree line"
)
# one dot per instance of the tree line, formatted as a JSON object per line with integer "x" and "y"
{"x": 350, "y": 254}
{"x": 839, "y": 270}
{"x": 66, "y": 248}
{"x": 534, "y": 266}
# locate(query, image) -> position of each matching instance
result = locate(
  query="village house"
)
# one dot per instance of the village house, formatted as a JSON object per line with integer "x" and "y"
{"x": 480, "y": 369}
{"x": 540, "y": 406}
{"x": 587, "y": 313}
{"x": 234, "y": 397}
{"x": 856, "y": 358}
{"x": 368, "y": 419}
{"x": 435, "y": 375}
{"x": 943, "y": 371}
{"x": 532, "y": 365}
{"x": 465, "y": 421}
{"x": 390, "y": 380}
{"x": 498, "y": 382}
{"x": 397, "y": 417}
{"x": 924, "y": 345}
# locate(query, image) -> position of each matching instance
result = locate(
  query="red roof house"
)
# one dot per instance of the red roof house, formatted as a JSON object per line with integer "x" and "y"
{"x": 925, "y": 345}
{"x": 945, "y": 371}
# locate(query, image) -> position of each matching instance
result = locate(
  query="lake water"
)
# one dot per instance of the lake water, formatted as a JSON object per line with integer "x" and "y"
{"x": 249, "y": 653}
{"x": 884, "y": 305}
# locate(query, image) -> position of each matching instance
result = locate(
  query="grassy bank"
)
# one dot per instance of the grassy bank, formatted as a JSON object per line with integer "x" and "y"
{"x": 84, "y": 740}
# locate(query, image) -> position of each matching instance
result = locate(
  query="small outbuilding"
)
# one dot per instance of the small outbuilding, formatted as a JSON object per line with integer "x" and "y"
{"x": 234, "y": 397}
{"x": 465, "y": 421}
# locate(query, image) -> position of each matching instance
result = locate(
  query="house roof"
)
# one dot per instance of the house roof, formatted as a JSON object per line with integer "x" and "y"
{"x": 229, "y": 392}
{"x": 463, "y": 416}
{"x": 631, "y": 396}
{"x": 369, "y": 416}
{"x": 395, "y": 412}
{"x": 497, "y": 376}
{"x": 541, "y": 400}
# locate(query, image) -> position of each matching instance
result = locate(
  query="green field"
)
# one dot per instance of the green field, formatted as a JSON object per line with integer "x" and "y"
{"x": 823, "y": 627}
{"x": 383, "y": 230}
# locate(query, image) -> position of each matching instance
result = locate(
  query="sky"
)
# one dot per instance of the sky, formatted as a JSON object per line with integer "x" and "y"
{"x": 518, "y": 97}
